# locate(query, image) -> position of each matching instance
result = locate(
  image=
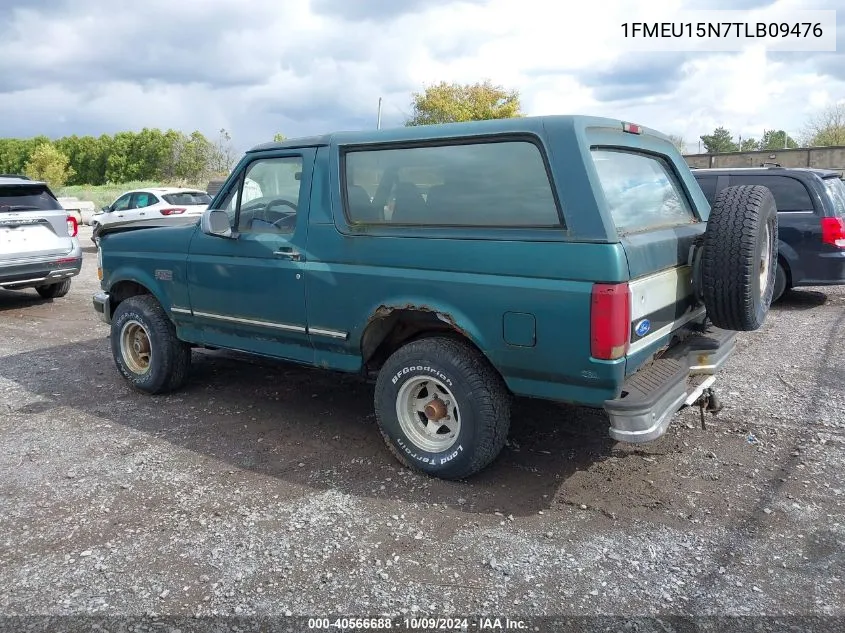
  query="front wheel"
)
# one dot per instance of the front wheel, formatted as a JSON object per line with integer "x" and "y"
{"x": 441, "y": 408}
{"x": 145, "y": 347}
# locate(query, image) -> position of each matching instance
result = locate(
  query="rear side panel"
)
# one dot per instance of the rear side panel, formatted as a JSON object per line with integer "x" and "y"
{"x": 33, "y": 225}
{"x": 654, "y": 206}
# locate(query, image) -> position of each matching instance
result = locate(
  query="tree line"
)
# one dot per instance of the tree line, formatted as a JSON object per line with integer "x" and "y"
{"x": 169, "y": 156}
{"x": 151, "y": 154}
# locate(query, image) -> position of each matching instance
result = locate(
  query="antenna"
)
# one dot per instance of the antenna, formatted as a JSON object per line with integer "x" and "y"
{"x": 378, "y": 123}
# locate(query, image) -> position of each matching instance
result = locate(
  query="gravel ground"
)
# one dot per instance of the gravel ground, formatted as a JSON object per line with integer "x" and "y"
{"x": 265, "y": 489}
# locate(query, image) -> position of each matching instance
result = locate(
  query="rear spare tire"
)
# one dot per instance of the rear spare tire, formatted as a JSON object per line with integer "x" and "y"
{"x": 739, "y": 257}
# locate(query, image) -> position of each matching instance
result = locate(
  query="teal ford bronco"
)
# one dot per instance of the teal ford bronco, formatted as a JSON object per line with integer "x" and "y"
{"x": 567, "y": 258}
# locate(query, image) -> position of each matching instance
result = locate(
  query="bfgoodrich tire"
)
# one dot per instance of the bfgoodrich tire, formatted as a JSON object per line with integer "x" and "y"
{"x": 145, "y": 347}
{"x": 54, "y": 291}
{"x": 739, "y": 257}
{"x": 441, "y": 408}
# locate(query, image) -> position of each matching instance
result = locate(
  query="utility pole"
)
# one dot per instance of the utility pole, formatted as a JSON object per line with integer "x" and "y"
{"x": 378, "y": 123}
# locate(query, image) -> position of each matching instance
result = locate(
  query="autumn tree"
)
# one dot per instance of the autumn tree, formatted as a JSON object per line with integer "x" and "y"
{"x": 827, "y": 127}
{"x": 48, "y": 164}
{"x": 679, "y": 142}
{"x": 452, "y": 102}
{"x": 719, "y": 142}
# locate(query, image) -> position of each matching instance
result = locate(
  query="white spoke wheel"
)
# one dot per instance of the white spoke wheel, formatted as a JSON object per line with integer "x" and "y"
{"x": 442, "y": 408}
{"x": 428, "y": 414}
{"x": 135, "y": 346}
{"x": 145, "y": 347}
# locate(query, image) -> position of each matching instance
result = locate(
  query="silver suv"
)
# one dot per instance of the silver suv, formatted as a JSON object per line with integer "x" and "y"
{"x": 38, "y": 244}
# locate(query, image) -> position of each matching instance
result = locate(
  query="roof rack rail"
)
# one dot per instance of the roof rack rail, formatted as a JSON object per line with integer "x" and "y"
{"x": 21, "y": 176}
{"x": 771, "y": 165}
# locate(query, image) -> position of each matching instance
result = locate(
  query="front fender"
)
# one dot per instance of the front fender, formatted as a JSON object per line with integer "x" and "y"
{"x": 139, "y": 276}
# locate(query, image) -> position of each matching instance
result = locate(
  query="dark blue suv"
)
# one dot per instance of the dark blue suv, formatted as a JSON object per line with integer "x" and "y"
{"x": 811, "y": 219}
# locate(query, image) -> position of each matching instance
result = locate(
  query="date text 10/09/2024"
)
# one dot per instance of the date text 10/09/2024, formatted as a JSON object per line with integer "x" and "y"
{"x": 749, "y": 30}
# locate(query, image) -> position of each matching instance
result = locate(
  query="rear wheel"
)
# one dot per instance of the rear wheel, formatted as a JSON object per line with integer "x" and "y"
{"x": 53, "y": 291}
{"x": 739, "y": 258}
{"x": 145, "y": 347}
{"x": 441, "y": 408}
{"x": 781, "y": 283}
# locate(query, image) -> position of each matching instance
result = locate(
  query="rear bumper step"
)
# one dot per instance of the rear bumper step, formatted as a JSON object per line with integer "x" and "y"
{"x": 651, "y": 396}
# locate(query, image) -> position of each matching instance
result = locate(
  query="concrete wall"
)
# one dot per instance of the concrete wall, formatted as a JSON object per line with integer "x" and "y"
{"x": 821, "y": 157}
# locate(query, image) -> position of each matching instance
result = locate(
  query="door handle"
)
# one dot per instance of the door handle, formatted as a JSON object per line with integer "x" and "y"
{"x": 289, "y": 253}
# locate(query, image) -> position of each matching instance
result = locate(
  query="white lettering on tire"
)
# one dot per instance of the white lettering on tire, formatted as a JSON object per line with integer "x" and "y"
{"x": 419, "y": 368}
{"x": 434, "y": 461}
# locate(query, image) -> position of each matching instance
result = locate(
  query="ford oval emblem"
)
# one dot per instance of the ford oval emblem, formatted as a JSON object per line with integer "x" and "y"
{"x": 643, "y": 327}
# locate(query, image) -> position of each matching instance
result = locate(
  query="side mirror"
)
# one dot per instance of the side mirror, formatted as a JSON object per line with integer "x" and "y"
{"x": 105, "y": 209}
{"x": 216, "y": 222}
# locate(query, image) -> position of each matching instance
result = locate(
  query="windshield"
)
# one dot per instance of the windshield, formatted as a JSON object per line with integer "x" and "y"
{"x": 836, "y": 188}
{"x": 187, "y": 198}
{"x": 25, "y": 198}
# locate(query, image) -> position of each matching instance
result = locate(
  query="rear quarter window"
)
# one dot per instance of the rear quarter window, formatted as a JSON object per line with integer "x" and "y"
{"x": 836, "y": 190}
{"x": 187, "y": 198}
{"x": 790, "y": 193}
{"x": 641, "y": 191}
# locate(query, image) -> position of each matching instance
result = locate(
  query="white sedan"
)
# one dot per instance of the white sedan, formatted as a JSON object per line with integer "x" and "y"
{"x": 155, "y": 202}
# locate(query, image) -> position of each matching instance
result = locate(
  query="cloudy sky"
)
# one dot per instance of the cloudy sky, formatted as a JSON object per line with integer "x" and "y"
{"x": 257, "y": 67}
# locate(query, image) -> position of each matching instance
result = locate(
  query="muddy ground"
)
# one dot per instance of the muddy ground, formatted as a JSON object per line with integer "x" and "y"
{"x": 263, "y": 488}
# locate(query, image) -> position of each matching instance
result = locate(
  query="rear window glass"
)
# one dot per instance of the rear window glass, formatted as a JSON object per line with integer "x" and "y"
{"x": 187, "y": 198}
{"x": 836, "y": 188}
{"x": 494, "y": 184}
{"x": 708, "y": 187}
{"x": 20, "y": 198}
{"x": 641, "y": 191}
{"x": 790, "y": 193}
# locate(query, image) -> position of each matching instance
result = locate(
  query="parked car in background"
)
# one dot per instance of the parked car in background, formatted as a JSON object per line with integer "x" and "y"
{"x": 82, "y": 210}
{"x": 163, "y": 202}
{"x": 573, "y": 259}
{"x": 811, "y": 219}
{"x": 38, "y": 244}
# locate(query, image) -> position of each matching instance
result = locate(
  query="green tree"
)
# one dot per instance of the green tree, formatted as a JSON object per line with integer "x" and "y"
{"x": 278, "y": 138}
{"x": 451, "y": 102}
{"x": 14, "y": 153}
{"x": 193, "y": 157}
{"x": 776, "y": 139}
{"x": 827, "y": 128}
{"x": 719, "y": 142}
{"x": 48, "y": 164}
{"x": 749, "y": 145}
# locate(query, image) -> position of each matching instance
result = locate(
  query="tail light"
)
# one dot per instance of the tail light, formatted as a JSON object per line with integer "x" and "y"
{"x": 833, "y": 231}
{"x": 173, "y": 211}
{"x": 610, "y": 321}
{"x": 72, "y": 226}
{"x": 632, "y": 128}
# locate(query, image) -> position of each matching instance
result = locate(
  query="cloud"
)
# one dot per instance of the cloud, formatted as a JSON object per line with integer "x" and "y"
{"x": 259, "y": 67}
